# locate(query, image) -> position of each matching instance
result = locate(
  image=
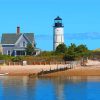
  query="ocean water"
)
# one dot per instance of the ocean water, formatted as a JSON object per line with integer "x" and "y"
{"x": 60, "y": 88}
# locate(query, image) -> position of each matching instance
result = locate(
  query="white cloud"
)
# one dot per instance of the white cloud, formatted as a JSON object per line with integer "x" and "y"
{"x": 71, "y": 36}
{"x": 85, "y": 36}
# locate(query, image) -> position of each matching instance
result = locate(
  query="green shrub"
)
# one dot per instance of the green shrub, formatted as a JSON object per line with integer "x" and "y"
{"x": 17, "y": 59}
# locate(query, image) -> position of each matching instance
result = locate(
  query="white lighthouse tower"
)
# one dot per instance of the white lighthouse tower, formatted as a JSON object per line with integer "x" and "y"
{"x": 58, "y": 35}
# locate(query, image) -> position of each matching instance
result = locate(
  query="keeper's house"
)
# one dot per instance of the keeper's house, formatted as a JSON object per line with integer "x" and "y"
{"x": 14, "y": 44}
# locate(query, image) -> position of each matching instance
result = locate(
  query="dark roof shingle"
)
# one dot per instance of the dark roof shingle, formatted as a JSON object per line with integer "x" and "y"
{"x": 12, "y": 38}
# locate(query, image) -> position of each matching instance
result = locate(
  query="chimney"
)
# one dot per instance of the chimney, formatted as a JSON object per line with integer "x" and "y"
{"x": 18, "y": 30}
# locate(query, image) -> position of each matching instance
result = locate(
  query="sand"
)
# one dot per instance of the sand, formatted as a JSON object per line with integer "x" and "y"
{"x": 26, "y": 70}
{"x": 91, "y": 69}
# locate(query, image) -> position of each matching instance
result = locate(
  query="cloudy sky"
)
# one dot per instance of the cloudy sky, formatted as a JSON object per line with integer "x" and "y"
{"x": 81, "y": 19}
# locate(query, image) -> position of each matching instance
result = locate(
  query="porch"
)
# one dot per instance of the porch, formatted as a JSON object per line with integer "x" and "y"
{"x": 20, "y": 52}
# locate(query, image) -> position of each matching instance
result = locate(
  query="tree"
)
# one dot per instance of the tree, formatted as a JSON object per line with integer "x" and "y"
{"x": 76, "y": 52}
{"x": 71, "y": 53}
{"x": 82, "y": 50}
{"x": 72, "y": 48}
{"x": 61, "y": 48}
{"x": 30, "y": 49}
{"x": 69, "y": 57}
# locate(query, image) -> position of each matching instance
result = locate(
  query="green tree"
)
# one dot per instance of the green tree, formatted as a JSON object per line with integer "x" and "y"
{"x": 82, "y": 50}
{"x": 61, "y": 48}
{"x": 30, "y": 49}
{"x": 76, "y": 52}
{"x": 72, "y": 48}
{"x": 71, "y": 53}
{"x": 69, "y": 57}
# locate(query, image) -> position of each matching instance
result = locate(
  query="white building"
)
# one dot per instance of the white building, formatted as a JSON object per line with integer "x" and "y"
{"x": 58, "y": 32}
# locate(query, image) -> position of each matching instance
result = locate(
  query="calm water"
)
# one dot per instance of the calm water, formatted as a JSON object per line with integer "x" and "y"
{"x": 70, "y": 88}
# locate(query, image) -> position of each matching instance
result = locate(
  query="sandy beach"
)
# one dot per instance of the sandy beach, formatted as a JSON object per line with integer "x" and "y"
{"x": 91, "y": 69}
{"x": 26, "y": 70}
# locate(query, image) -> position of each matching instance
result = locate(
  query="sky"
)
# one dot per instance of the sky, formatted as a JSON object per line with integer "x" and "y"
{"x": 81, "y": 20}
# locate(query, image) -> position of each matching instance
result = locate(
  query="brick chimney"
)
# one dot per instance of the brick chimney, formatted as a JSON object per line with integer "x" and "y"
{"x": 18, "y": 30}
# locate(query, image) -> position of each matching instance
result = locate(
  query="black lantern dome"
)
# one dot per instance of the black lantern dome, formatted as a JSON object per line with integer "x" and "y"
{"x": 58, "y": 22}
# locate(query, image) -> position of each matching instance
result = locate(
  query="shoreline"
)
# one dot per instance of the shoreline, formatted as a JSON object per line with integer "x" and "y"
{"x": 80, "y": 71}
{"x": 75, "y": 72}
{"x": 92, "y": 69}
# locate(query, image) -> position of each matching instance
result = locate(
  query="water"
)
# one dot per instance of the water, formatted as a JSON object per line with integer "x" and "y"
{"x": 69, "y": 88}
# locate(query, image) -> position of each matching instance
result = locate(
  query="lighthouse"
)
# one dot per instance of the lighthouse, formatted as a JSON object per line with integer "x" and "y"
{"x": 58, "y": 32}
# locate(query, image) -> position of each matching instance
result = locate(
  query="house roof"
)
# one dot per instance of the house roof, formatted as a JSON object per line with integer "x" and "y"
{"x": 29, "y": 36}
{"x": 8, "y": 38}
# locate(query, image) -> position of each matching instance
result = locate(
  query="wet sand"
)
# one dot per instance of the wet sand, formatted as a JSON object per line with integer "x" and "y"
{"x": 82, "y": 71}
{"x": 91, "y": 69}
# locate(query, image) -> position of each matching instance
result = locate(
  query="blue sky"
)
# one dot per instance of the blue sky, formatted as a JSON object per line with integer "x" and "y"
{"x": 81, "y": 19}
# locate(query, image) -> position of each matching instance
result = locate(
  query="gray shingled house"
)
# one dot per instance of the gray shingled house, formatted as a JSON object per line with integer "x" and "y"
{"x": 14, "y": 44}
